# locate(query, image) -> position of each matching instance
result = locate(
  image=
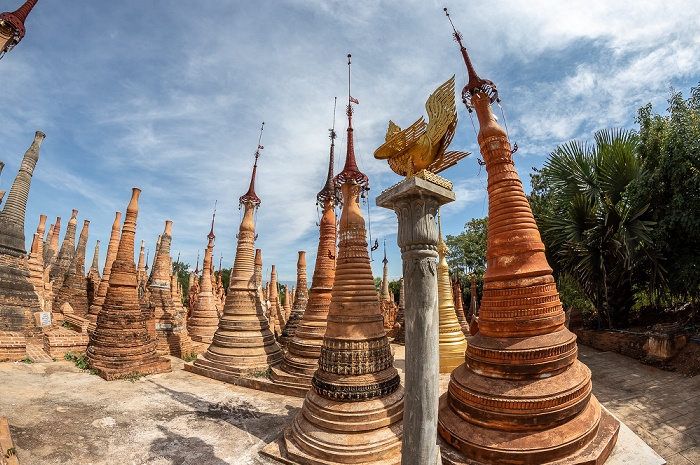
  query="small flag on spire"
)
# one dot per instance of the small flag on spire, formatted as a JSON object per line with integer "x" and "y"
{"x": 354, "y": 100}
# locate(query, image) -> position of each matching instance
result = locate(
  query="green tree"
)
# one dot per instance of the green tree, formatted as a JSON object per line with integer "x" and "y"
{"x": 597, "y": 232}
{"x": 670, "y": 155}
{"x": 183, "y": 277}
{"x": 395, "y": 289}
{"x": 468, "y": 255}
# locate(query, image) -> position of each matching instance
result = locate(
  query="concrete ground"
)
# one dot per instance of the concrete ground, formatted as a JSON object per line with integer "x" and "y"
{"x": 59, "y": 414}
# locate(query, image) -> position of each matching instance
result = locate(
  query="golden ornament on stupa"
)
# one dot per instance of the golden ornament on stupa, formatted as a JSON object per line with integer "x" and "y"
{"x": 452, "y": 341}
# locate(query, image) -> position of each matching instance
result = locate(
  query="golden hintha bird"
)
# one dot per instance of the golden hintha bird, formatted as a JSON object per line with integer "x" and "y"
{"x": 422, "y": 145}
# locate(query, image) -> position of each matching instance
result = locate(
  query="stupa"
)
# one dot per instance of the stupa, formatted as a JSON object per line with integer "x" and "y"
{"x": 35, "y": 261}
{"x": 473, "y": 301}
{"x": 287, "y": 306}
{"x": 66, "y": 253}
{"x": 243, "y": 343}
{"x": 275, "y": 304}
{"x": 452, "y": 341}
{"x": 121, "y": 344}
{"x": 73, "y": 290}
{"x": 51, "y": 251}
{"x": 101, "y": 293}
{"x": 522, "y": 397}
{"x": 386, "y": 300}
{"x": 12, "y": 27}
{"x": 300, "y": 361}
{"x": 204, "y": 319}
{"x": 459, "y": 303}
{"x": 18, "y": 300}
{"x": 400, "y": 318}
{"x": 169, "y": 313}
{"x": 141, "y": 275}
{"x": 353, "y": 412}
{"x": 94, "y": 274}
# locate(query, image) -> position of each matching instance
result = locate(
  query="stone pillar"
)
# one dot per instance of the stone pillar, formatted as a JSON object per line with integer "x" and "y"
{"x": 416, "y": 202}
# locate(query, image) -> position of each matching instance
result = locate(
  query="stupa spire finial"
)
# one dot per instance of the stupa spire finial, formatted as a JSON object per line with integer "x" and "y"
{"x": 12, "y": 26}
{"x": 329, "y": 191}
{"x": 196, "y": 268}
{"x": 250, "y": 196}
{"x": 351, "y": 171}
{"x": 211, "y": 235}
{"x": 475, "y": 82}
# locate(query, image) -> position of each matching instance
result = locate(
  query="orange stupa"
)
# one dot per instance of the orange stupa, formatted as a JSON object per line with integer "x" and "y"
{"x": 276, "y": 308}
{"x": 243, "y": 343}
{"x": 101, "y": 293}
{"x": 301, "y": 358}
{"x": 522, "y": 397}
{"x": 204, "y": 319}
{"x": 353, "y": 413}
{"x": 121, "y": 344}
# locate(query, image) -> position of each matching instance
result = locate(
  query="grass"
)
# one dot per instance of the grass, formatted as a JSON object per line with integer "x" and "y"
{"x": 260, "y": 374}
{"x": 133, "y": 376}
{"x": 81, "y": 361}
{"x": 66, "y": 324}
{"x": 27, "y": 359}
{"x": 189, "y": 357}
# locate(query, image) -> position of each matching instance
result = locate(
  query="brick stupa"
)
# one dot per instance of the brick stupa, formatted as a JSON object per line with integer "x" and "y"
{"x": 301, "y": 358}
{"x": 298, "y": 305}
{"x": 522, "y": 397}
{"x": 121, "y": 344}
{"x": 243, "y": 343}
{"x": 66, "y": 253}
{"x": 204, "y": 318}
{"x": 94, "y": 274}
{"x": 459, "y": 303}
{"x": 73, "y": 290}
{"x": 18, "y": 300}
{"x": 169, "y": 313}
{"x": 12, "y": 28}
{"x": 35, "y": 263}
{"x": 386, "y": 300}
{"x": 276, "y": 308}
{"x": 101, "y": 293}
{"x": 451, "y": 340}
{"x": 354, "y": 411}
{"x": 400, "y": 318}
{"x": 51, "y": 248}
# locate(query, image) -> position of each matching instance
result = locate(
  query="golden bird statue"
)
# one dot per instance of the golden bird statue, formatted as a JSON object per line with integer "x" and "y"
{"x": 422, "y": 145}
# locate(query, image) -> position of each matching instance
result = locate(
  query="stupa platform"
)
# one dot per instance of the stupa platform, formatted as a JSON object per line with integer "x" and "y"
{"x": 250, "y": 381}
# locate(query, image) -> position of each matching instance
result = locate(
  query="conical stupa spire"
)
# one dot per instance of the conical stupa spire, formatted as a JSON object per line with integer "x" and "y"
{"x": 12, "y": 215}
{"x": 12, "y": 26}
{"x": 250, "y": 196}
{"x": 66, "y": 253}
{"x": 521, "y": 396}
{"x": 112, "y": 245}
{"x": 204, "y": 318}
{"x": 329, "y": 190}
{"x": 80, "y": 250}
{"x": 95, "y": 266}
{"x": 385, "y": 277}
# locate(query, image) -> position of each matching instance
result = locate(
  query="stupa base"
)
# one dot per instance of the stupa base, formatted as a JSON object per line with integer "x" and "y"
{"x": 449, "y": 363}
{"x": 158, "y": 365}
{"x": 285, "y": 450}
{"x": 518, "y": 448}
{"x": 297, "y": 383}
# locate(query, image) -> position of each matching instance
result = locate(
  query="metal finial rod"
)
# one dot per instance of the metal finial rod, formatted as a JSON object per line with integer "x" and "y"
{"x": 211, "y": 233}
{"x": 260, "y": 147}
{"x": 332, "y": 130}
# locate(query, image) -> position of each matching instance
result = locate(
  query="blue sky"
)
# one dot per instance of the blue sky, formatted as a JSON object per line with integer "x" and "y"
{"x": 168, "y": 96}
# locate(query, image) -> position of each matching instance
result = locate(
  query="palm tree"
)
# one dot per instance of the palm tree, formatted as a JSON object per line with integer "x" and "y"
{"x": 597, "y": 234}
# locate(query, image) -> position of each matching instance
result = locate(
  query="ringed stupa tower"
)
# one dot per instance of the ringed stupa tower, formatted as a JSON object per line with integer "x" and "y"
{"x": 275, "y": 305}
{"x": 353, "y": 412}
{"x": 301, "y": 297}
{"x": 243, "y": 343}
{"x": 18, "y": 301}
{"x": 101, "y": 293}
{"x": 121, "y": 344}
{"x": 65, "y": 254}
{"x": 73, "y": 290}
{"x": 522, "y": 397}
{"x": 301, "y": 358}
{"x": 204, "y": 319}
{"x": 451, "y": 340}
{"x": 12, "y": 27}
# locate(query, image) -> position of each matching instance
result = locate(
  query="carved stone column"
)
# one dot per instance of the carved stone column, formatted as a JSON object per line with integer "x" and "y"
{"x": 416, "y": 202}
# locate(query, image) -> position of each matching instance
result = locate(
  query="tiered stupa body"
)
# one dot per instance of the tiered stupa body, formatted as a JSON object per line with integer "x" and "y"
{"x": 386, "y": 302}
{"x": 204, "y": 319}
{"x": 287, "y": 305}
{"x": 459, "y": 303}
{"x": 73, "y": 290}
{"x": 18, "y": 301}
{"x": 451, "y": 340}
{"x": 243, "y": 343}
{"x": 112, "y": 246}
{"x": 121, "y": 344}
{"x": 473, "y": 301}
{"x": 353, "y": 413}
{"x": 301, "y": 358}
{"x": 522, "y": 397}
{"x": 94, "y": 274}
{"x": 51, "y": 247}
{"x": 141, "y": 276}
{"x": 169, "y": 314}
{"x": 35, "y": 261}
{"x": 275, "y": 305}
{"x": 65, "y": 256}
{"x": 400, "y": 318}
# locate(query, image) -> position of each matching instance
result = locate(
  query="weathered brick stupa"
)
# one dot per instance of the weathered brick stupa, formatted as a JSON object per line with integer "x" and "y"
{"x": 287, "y": 306}
{"x": 35, "y": 262}
{"x": 169, "y": 313}
{"x": 522, "y": 397}
{"x": 94, "y": 274}
{"x": 473, "y": 302}
{"x": 12, "y": 28}
{"x": 51, "y": 250}
{"x": 73, "y": 290}
{"x": 386, "y": 300}
{"x": 452, "y": 342}
{"x": 275, "y": 305}
{"x": 18, "y": 301}
{"x": 66, "y": 253}
{"x": 204, "y": 319}
{"x": 243, "y": 343}
{"x": 459, "y": 303}
{"x": 112, "y": 246}
{"x": 121, "y": 344}
{"x": 301, "y": 358}
{"x": 141, "y": 275}
{"x": 400, "y": 318}
{"x": 353, "y": 412}
{"x": 301, "y": 297}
